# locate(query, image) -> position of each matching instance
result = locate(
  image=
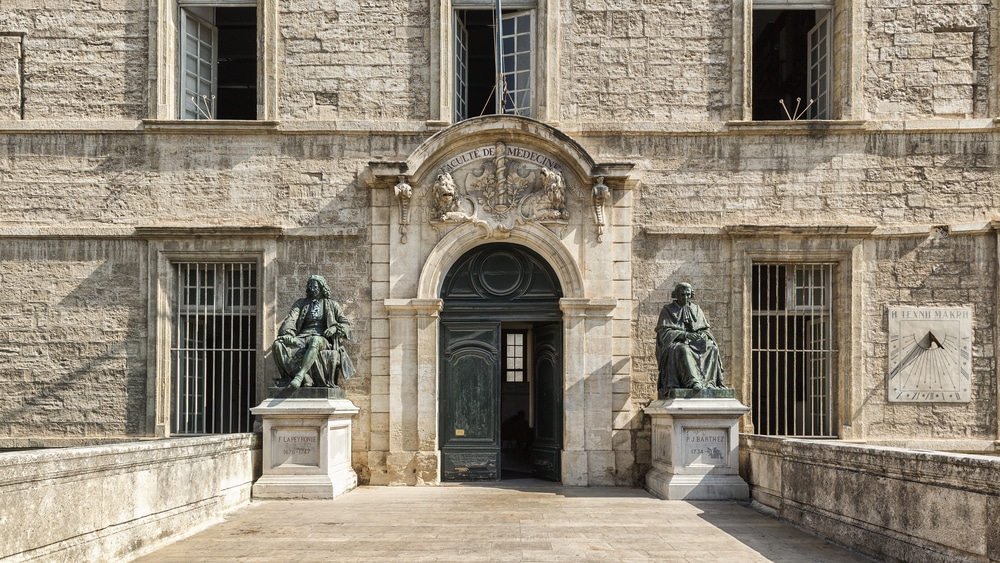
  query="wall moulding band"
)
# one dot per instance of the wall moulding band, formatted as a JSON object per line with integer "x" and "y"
{"x": 413, "y": 307}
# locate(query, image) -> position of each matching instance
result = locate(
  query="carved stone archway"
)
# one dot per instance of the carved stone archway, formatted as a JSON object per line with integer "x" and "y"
{"x": 418, "y": 240}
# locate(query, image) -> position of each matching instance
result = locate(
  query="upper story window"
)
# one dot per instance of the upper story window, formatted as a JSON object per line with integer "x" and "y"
{"x": 215, "y": 59}
{"x": 792, "y": 60}
{"x": 218, "y": 58}
{"x": 487, "y": 61}
{"x": 484, "y": 82}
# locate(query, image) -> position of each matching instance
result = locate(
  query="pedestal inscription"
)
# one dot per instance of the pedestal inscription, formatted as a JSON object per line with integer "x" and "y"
{"x": 706, "y": 446}
{"x": 295, "y": 447}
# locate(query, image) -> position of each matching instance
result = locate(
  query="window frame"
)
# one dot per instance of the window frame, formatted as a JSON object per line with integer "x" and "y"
{"x": 839, "y": 245}
{"x": 523, "y": 347}
{"x": 211, "y": 307}
{"x": 187, "y": 19}
{"x": 545, "y": 56}
{"x": 461, "y": 64}
{"x": 166, "y": 57}
{"x": 846, "y": 17}
{"x": 809, "y": 316}
{"x": 168, "y": 246}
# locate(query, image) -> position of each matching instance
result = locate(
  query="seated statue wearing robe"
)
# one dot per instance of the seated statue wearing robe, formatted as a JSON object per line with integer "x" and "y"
{"x": 686, "y": 352}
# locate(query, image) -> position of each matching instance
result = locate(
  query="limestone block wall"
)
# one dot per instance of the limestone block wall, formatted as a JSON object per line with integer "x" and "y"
{"x": 928, "y": 59}
{"x": 616, "y": 61}
{"x": 354, "y": 60}
{"x": 927, "y": 200}
{"x": 82, "y": 60}
{"x": 345, "y": 262}
{"x": 111, "y": 503}
{"x": 69, "y": 257}
{"x": 939, "y": 267}
{"x": 72, "y": 340}
{"x": 891, "y": 504}
{"x": 659, "y": 62}
{"x": 11, "y": 76}
{"x": 73, "y": 343}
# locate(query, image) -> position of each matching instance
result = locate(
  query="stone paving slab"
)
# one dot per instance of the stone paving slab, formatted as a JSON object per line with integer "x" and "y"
{"x": 509, "y": 521}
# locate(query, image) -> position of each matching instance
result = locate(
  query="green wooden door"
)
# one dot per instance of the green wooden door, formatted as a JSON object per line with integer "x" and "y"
{"x": 547, "y": 445}
{"x": 470, "y": 401}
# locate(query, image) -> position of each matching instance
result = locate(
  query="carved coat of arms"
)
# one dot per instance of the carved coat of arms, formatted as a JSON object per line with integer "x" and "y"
{"x": 500, "y": 188}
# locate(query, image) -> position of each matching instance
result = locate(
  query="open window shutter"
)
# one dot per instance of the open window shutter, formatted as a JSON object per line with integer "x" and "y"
{"x": 517, "y": 54}
{"x": 198, "y": 63}
{"x": 461, "y": 70}
{"x": 819, "y": 68}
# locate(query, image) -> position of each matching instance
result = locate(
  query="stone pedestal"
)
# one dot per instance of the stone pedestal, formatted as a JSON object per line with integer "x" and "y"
{"x": 695, "y": 446}
{"x": 307, "y": 444}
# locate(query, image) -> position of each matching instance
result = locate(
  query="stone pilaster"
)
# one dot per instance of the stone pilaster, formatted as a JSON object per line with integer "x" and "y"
{"x": 588, "y": 457}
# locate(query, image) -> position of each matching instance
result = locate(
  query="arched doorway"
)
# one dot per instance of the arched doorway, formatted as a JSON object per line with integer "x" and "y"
{"x": 501, "y": 372}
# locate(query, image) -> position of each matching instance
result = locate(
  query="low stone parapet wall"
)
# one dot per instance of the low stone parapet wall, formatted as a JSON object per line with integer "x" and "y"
{"x": 890, "y": 503}
{"x": 103, "y": 503}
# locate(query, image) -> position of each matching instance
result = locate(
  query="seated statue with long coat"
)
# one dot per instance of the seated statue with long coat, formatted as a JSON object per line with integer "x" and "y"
{"x": 686, "y": 352}
{"x": 309, "y": 349}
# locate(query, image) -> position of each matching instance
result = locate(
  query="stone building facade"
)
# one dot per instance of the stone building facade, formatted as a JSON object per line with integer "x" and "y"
{"x": 829, "y": 251}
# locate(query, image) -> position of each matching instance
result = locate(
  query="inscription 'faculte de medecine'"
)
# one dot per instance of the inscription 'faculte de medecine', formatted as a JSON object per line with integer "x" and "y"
{"x": 489, "y": 152}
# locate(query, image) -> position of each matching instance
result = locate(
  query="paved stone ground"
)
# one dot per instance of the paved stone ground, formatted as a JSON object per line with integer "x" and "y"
{"x": 512, "y": 521}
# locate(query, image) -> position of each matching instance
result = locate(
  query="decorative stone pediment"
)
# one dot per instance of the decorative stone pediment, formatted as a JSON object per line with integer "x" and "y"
{"x": 500, "y": 173}
{"x": 499, "y": 187}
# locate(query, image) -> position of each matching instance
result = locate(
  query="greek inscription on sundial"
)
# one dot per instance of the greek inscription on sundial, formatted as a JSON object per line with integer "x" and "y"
{"x": 930, "y": 355}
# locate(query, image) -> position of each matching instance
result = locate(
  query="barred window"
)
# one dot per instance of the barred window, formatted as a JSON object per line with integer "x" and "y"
{"x": 213, "y": 347}
{"x": 793, "y": 349}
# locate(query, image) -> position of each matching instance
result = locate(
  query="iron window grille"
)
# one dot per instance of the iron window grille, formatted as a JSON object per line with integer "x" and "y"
{"x": 213, "y": 347}
{"x": 793, "y": 349}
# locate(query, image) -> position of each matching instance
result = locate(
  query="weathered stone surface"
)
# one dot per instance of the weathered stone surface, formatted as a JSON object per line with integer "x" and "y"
{"x": 696, "y": 448}
{"x": 72, "y": 340}
{"x": 886, "y": 502}
{"x": 307, "y": 445}
{"x": 657, "y": 85}
{"x": 114, "y": 502}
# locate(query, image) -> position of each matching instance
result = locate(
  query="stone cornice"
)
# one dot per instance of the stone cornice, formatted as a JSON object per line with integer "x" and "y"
{"x": 799, "y": 230}
{"x": 212, "y": 231}
{"x": 202, "y": 126}
{"x": 321, "y": 233}
{"x": 583, "y": 307}
{"x": 413, "y": 307}
{"x": 60, "y": 232}
{"x": 586, "y": 129}
{"x": 681, "y": 231}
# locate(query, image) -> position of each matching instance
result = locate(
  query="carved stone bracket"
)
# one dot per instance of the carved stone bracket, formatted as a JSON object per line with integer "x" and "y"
{"x": 600, "y": 196}
{"x": 403, "y": 192}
